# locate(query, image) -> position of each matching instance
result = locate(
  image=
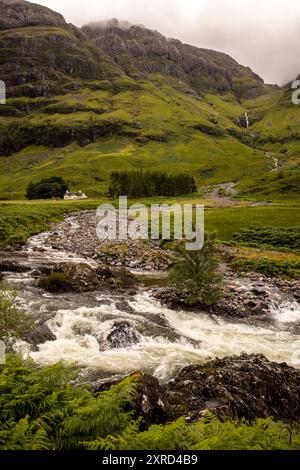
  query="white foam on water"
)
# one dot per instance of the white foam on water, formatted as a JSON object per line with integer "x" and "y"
{"x": 287, "y": 312}
{"x": 199, "y": 337}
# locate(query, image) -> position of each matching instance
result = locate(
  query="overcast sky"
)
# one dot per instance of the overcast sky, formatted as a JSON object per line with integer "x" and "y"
{"x": 263, "y": 34}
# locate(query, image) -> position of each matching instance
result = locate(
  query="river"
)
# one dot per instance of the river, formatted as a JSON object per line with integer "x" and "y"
{"x": 165, "y": 340}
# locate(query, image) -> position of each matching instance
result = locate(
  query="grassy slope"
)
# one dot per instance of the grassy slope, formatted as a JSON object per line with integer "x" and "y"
{"x": 277, "y": 122}
{"x": 156, "y": 110}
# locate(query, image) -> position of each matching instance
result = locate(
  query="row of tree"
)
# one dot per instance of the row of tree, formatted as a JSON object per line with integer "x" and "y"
{"x": 149, "y": 183}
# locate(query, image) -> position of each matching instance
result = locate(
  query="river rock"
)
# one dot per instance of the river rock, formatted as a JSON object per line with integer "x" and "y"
{"x": 41, "y": 335}
{"x": 122, "y": 335}
{"x": 115, "y": 277}
{"x": 246, "y": 386}
{"x": 150, "y": 402}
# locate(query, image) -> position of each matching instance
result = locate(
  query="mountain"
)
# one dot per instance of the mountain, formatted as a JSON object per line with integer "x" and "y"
{"x": 139, "y": 51}
{"x": 84, "y": 102}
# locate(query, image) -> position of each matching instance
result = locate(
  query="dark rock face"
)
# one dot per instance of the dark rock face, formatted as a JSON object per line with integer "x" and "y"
{"x": 145, "y": 51}
{"x": 49, "y": 52}
{"x": 122, "y": 335}
{"x": 247, "y": 386}
{"x": 18, "y": 13}
{"x": 151, "y": 402}
{"x": 54, "y": 136}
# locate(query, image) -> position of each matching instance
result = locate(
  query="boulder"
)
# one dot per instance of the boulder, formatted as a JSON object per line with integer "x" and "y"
{"x": 40, "y": 335}
{"x": 150, "y": 403}
{"x": 115, "y": 277}
{"x": 83, "y": 277}
{"x": 122, "y": 335}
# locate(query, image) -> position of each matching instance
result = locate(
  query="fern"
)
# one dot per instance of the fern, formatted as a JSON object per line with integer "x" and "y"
{"x": 40, "y": 410}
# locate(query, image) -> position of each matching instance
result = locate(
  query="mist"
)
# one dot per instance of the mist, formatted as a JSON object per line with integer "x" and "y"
{"x": 261, "y": 34}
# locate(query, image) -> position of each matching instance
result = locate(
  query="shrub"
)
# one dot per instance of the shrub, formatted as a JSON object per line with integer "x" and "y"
{"x": 281, "y": 237}
{"x": 197, "y": 272}
{"x": 56, "y": 282}
{"x": 287, "y": 270}
{"x": 54, "y": 187}
{"x": 14, "y": 324}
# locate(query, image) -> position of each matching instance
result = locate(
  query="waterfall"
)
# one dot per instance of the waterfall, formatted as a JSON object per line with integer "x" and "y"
{"x": 247, "y": 120}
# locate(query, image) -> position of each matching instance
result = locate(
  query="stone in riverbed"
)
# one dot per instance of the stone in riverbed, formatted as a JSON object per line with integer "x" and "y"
{"x": 122, "y": 335}
{"x": 40, "y": 335}
{"x": 13, "y": 266}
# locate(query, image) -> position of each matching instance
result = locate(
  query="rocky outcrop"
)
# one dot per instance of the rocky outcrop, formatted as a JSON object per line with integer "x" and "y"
{"x": 14, "y": 138}
{"x": 236, "y": 303}
{"x": 246, "y": 386}
{"x": 19, "y": 13}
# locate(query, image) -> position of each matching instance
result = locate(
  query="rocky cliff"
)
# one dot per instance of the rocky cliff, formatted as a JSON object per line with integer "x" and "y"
{"x": 18, "y": 13}
{"x": 139, "y": 50}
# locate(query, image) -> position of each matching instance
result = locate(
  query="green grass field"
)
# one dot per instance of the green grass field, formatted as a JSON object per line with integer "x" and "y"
{"x": 19, "y": 220}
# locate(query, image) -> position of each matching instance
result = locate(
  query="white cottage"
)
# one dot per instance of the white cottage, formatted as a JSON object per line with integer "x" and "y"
{"x": 75, "y": 195}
